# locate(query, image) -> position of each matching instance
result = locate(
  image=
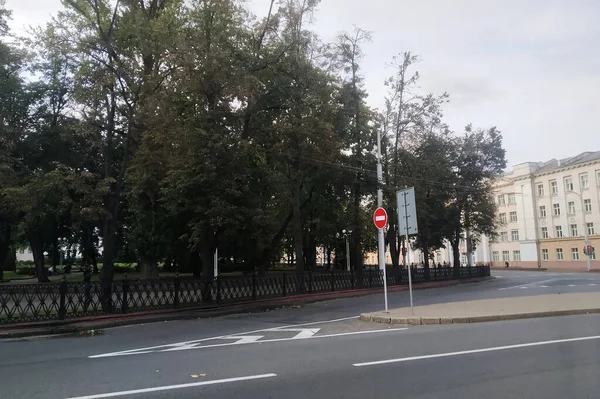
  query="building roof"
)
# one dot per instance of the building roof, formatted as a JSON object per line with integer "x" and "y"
{"x": 548, "y": 166}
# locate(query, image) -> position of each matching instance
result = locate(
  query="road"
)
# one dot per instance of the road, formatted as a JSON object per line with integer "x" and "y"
{"x": 322, "y": 351}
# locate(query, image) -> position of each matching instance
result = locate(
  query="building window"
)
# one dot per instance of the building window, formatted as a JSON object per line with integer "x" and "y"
{"x": 568, "y": 184}
{"x": 556, "y": 209}
{"x": 587, "y": 205}
{"x": 514, "y": 235}
{"x": 505, "y": 256}
{"x": 545, "y": 232}
{"x": 540, "y": 190}
{"x": 511, "y": 198}
{"x": 553, "y": 187}
{"x": 501, "y": 200}
{"x": 583, "y": 180}
{"x": 573, "y": 230}
{"x": 590, "y": 229}
{"x": 542, "y": 211}
{"x": 558, "y": 231}
{"x": 496, "y": 256}
{"x": 504, "y": 236}
{"x": 559, "y": 254}
{"x": 517, "y": 255}
{"x": 544, "y": 254}
{"x": 513, "y": 216}
{"x": 21, "y": 251}
{"x": 575, "y": 253}
{"x": 571, "y": 207}
{"x": 503, "y": 218}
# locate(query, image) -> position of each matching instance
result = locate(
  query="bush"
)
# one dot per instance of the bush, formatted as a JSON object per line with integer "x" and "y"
{"x": 26, "y": 270}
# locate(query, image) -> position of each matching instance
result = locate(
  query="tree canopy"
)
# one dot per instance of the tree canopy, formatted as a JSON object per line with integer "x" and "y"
{"x": 161, "y": 130}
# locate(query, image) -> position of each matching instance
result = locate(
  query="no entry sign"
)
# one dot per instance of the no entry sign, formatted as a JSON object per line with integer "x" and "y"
{"x": 380, "y": 218}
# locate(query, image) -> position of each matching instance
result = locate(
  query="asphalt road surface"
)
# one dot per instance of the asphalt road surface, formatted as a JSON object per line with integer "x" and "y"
{"x": 323, "y": 351}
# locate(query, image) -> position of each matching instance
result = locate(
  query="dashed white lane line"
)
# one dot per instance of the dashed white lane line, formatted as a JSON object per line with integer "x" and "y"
{"x": 592, "y": 285}
{"x": 172, "y": 387}
{"x": 467, "y": 352}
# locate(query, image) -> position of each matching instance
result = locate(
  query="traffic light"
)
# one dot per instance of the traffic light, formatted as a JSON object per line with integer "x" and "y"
{"x": 589, "y": 250}
{"x": 403, "y": 251}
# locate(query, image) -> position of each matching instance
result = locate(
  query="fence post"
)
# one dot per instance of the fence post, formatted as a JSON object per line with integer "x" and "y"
{"x": 254, "y": 285}
{"x": 176, "y": 293}
{"x": 309, "y": 282}
{"x": 62, "y": 309}
{"x": 125, "y": 288}
{"x": 284, "y": 290}
{"x": 218, "y": 290}
{"x": 332, "y": 282}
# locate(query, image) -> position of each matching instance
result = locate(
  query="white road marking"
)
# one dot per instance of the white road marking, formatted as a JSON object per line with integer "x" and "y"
{"x": 526, "y": 285}
{"x": 188, "y": 346}
{"x": 303, "y": 333}
{"x": 592, "y": 284}
{"x": 150, "y": 349}
{"x": 571, "y": 285}
{"x": 544, "y": 286}
{"x": 467, "y": 352}
{"x": 171, "y": 387}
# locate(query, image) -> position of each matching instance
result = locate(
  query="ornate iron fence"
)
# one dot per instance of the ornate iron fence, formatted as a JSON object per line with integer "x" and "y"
{"x": 64, "y": 300}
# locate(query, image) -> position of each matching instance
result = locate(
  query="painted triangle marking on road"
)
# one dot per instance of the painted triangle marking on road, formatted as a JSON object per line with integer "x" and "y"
{"x": 239, "y": 340}
{"x": 303, "y": 333}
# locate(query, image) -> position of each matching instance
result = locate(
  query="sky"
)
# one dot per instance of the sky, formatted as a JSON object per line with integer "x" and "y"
{"x": 529, "y": 67}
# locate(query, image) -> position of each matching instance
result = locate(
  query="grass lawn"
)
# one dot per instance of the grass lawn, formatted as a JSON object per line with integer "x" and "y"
{"x": 14, "y": 276}
{"x": 78, "y": 278}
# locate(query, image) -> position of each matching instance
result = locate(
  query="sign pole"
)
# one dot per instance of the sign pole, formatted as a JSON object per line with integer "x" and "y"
{"x": 407, "y": 224}
{"x": 380, "y": 220}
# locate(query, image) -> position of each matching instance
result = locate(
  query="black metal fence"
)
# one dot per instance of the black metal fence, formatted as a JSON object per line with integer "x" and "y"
{"x": 65, "y": 300}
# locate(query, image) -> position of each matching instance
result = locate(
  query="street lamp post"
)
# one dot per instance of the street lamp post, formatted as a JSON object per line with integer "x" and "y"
{"x": 586, "y": 238}
{"x": 346, "y": 234}
{"x": 380, "y": 237}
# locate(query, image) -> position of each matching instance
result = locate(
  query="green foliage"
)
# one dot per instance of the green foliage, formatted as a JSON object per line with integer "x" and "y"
{"x": 158, "y": 131}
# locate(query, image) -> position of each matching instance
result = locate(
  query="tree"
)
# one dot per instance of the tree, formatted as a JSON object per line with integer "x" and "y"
{"x": 407, "y": 116}
{"x": 480, "y": 159}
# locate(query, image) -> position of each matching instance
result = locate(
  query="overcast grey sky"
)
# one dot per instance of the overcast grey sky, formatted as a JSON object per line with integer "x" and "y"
{"x": 529, "y": 67}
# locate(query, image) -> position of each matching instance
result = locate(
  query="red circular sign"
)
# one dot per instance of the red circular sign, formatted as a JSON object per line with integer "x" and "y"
{"x": 380, "y": 218}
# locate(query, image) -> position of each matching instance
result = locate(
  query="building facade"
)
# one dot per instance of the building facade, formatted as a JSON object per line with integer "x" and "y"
{"x": 544, "y": 211}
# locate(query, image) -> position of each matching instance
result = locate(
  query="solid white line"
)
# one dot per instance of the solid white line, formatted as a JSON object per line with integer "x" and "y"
{"x": 571, "y": 285}
{"x": 591, "y": 284}
{"x": 171, "y": 387}
{"x": 467, "y": 352}
{"x": 149, "y": 349}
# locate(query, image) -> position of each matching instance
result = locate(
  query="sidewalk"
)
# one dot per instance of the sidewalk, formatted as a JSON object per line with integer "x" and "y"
{"x": 117, "y": 320}
{"x": 491, "y": 310}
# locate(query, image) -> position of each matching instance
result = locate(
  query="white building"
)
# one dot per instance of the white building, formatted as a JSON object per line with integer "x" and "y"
{"x": 544, "y": 208}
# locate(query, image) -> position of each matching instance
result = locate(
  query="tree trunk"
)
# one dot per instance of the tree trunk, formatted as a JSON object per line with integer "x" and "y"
{"x": 297, "y": 225}
{"x": 426, "y": 260}
{"x": 394, "y": 251}
{"x": 107, "y": 275}
{"x": 148, "y": 269}
{"x": 456, "y": 257}
{"x": 5, "y": 230}
{"x": 328, "y": 258}
{"x": 54, "y": 258}
{"x": 37, "y": 248}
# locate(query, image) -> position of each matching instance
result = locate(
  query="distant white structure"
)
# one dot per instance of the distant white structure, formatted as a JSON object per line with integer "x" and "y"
{"x": 24, "y": 255}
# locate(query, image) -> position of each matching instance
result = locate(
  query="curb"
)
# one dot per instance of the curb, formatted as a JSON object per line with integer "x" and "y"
{"x": 419, "y": 321}
{"x": 25, "y": 330}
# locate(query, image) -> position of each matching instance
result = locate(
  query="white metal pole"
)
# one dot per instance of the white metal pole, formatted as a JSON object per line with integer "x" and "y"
{"x": 347, "y": 254}
{"x": 380, "y": 237}
{"x": 412, "y": 310}
{"x": 216, "y": 262}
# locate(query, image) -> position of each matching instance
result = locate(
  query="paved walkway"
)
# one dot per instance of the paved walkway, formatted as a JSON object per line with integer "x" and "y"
{"x": 491, "y": 309}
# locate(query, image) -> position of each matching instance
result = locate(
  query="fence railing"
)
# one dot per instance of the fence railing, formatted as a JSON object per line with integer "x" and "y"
{"x": 66, "y": 300}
